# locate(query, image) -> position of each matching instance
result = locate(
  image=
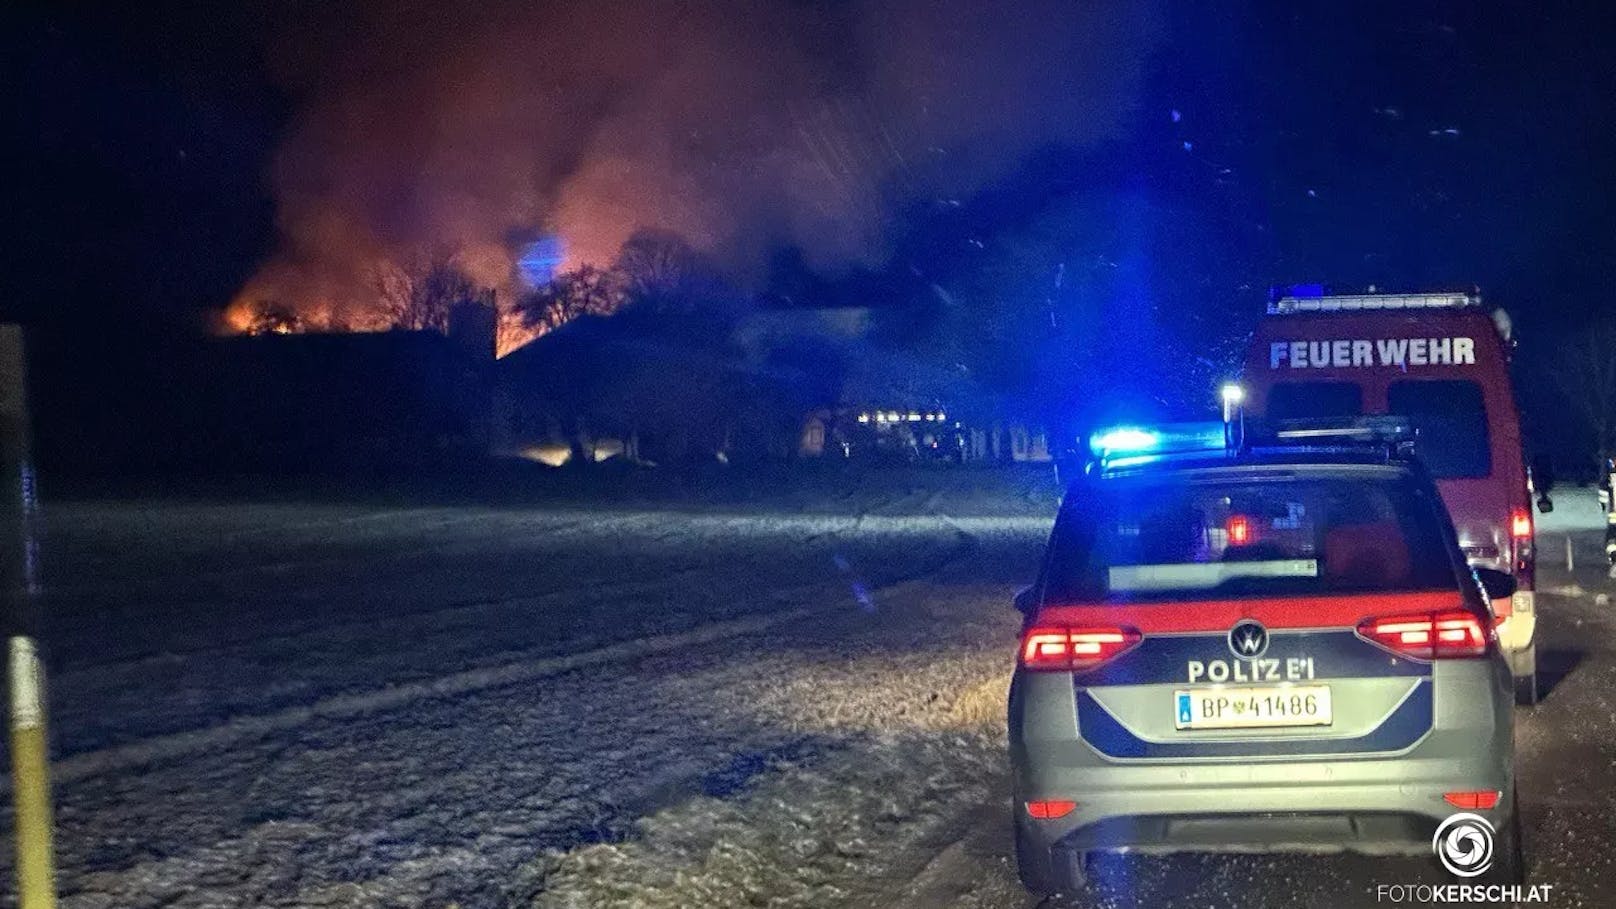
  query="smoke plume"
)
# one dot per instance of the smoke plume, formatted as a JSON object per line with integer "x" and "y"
{"x": 463, "y": 131}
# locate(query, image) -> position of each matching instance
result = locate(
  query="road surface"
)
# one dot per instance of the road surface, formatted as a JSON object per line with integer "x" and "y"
{"x": 295, "y": 704}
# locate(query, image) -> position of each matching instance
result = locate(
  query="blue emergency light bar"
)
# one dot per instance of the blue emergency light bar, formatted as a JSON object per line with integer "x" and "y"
{"x": 1145, "y": 441}
{"x": 1123, "y": 446}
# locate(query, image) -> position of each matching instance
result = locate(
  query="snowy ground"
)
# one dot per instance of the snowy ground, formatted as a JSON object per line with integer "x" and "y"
{"x": 1575, "y": 508}
{"x": 286, "y": 704}
{"x": 711, "y": 852}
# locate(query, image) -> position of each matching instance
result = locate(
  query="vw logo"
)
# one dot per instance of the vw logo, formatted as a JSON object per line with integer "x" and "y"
{"x": 1248, "y": 639}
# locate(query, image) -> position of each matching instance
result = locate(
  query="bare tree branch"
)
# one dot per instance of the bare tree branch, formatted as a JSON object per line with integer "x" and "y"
{"x": 419, "y": 295}
{"x": 1585, "y": 373}
{"x": 586, "y": 291}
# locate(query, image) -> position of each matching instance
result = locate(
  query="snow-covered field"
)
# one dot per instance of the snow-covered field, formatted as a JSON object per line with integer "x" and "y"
{"x": 854, "y": 831}
{"x": 294, "y": 704}
{"x": 175, "y": 618}
{"x": 1575, "y": 508}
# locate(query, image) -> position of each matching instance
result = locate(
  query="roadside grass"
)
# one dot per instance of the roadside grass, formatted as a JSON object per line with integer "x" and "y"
{"x": 840, "y": 830}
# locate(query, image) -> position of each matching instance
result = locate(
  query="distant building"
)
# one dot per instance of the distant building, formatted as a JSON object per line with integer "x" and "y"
{"x": 764, "y": 330}
{"x": 404, "y": 398}
{"x": 604, "y": 387}
{"x": 276, "y": 403}
{"x": 897, "y": 405}
{"x": 787, "y": 383}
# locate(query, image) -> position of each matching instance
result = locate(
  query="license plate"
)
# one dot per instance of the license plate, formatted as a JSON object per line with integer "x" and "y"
{"x": 1242, "y": 708}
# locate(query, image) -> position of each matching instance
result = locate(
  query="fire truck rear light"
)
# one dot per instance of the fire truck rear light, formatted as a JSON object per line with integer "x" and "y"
{"x": 1068, "y": 649}
{"x": 1520, "y": 524}
{"x": 1485, "y": 799}
{"x": 1442, "y": 635}
{"x": 1049, "y": 810}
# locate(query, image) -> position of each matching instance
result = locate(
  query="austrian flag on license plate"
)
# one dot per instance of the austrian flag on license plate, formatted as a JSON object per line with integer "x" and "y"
{"x": 1239, "y": 708}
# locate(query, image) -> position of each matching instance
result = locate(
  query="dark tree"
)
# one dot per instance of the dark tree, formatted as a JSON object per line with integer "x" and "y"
{"x": 420, "y": 295}
{"x": 1582, "y": 365}
{"x": 661, "y": 273}
{"x": 675, "y": 290}
{"x": 585, "y": 291}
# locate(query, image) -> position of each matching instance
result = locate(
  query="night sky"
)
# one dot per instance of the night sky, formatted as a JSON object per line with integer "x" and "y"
{"x": 1404, "y": 145}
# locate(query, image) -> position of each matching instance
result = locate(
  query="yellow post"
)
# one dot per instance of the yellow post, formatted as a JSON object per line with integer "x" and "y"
{"x": 30, "y": 758}
{"x": 30, "y": 780}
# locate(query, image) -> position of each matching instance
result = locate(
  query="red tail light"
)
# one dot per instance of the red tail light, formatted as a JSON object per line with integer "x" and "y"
{"x": 1486, "y": 799}
{"x": 1435, "y": 636}
{"x": 1520, "y": 523}
{"x": 1239, "y": 528}
{"x": 1049, "y": 810}
{"x": 1068, "y": 649}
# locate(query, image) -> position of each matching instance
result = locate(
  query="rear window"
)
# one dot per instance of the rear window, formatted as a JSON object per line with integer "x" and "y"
{"x": 1149, "y": 539}
{"x": 1306, "y": 400}
{"x": 1451, "y": 419}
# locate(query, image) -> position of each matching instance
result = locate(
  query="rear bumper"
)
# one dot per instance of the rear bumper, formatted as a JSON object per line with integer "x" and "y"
{"x": 1379, "y": 807}
{"x": 1375, "y": 803}
{"x": 1382, "y": 833}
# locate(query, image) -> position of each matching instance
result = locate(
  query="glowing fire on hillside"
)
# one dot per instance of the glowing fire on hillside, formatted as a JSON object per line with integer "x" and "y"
{"x": 384, "y": 295}
{"x": 461, "y": 133}
{"x": 248, "y": 317}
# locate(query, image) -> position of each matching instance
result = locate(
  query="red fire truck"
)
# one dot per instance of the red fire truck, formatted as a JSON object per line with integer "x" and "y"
{"x": 1442, "y": 362}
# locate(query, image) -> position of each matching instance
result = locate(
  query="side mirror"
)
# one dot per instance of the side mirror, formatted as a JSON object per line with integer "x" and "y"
{"x": 1542, "y": 474}
{"x": 1499, "y": 585}
{"x": 1545, "y": 504}
{"x": 1027, "y": 601}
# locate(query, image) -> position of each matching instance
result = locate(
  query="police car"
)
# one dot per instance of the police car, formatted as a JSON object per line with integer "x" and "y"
{"x": 1239, "y": 644}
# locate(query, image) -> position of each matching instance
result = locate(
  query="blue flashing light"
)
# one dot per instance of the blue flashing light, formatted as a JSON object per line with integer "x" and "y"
{"x": 1120, "y": 446}
{"x": 1136, "y": 460}
{"x": 1124, "y": 440}
{"x": 538, "y": 261}
{"x": 1297, "y": 292}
